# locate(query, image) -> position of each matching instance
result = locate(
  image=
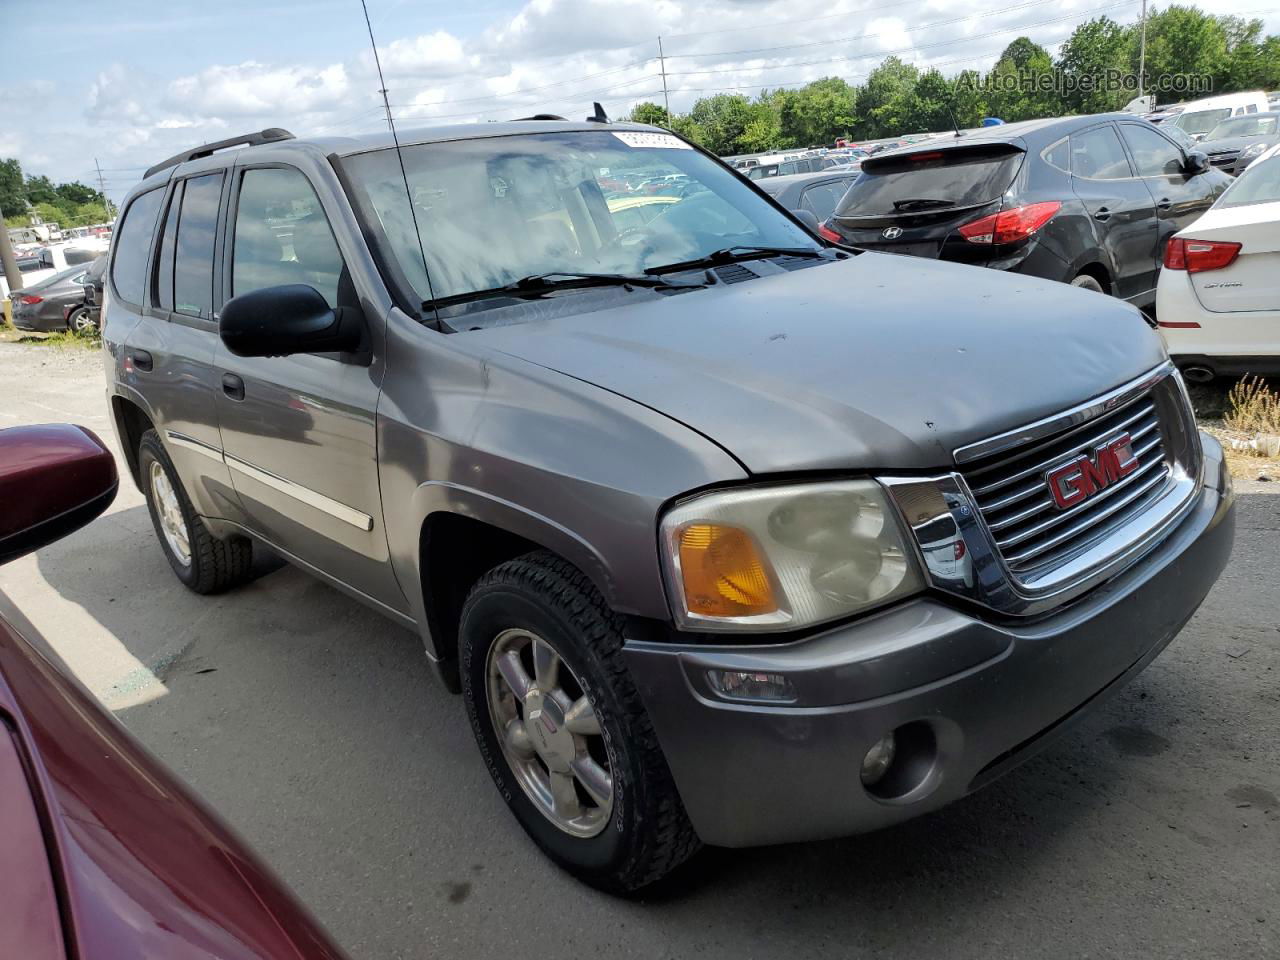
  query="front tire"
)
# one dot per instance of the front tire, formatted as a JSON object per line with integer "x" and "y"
{"x": 202, "y": 562}
{"x": 561, "y": 727}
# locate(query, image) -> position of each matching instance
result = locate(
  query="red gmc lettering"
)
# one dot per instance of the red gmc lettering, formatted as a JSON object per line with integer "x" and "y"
{"x": 1079, "y": 479}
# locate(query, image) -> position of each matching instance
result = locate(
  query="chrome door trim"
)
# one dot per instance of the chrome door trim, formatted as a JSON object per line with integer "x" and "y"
{"x": 1065, "y": 420}
{"x": 191, "y": 443}
{"x": 311, "y": 498}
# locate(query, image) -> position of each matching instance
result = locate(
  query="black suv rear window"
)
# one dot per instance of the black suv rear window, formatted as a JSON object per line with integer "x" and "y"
{"x": 925, "y": 180}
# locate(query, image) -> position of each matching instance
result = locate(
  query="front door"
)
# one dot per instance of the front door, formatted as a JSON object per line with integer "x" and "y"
{"x": 1120, "y": 206}
{"x": 299, "y": 432}
{"x": 1179, "y": 199}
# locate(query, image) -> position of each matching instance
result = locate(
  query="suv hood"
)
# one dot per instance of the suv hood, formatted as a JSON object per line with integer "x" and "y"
{"x": 878, "y": 361}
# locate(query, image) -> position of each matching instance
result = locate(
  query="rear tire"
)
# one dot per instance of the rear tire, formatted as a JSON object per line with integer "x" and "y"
{"x": 1087, "y": 282}
{"x": 202, "y": 562}
{"x": 621, "y": 839}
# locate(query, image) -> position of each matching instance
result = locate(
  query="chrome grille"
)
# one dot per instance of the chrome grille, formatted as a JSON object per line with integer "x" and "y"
{"x": 1030, "y": 532}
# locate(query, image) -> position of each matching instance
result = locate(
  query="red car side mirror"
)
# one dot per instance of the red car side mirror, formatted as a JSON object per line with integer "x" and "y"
{"x": 54, "y": 479}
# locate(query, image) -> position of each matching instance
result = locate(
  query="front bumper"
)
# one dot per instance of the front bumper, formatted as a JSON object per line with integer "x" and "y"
{"x": 979, "y": 697}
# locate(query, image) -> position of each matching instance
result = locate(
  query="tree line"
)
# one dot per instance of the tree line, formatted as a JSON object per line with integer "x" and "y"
{"x": 67, "y": 204}
{"x": 1096, "y": 70}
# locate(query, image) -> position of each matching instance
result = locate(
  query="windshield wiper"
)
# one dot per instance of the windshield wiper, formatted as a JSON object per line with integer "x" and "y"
{"x": 922, "y": 203}
{"x": 742, "y": 251}
{"x": 541, "y": 283}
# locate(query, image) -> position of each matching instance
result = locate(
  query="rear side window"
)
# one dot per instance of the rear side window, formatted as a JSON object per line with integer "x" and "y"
{"x": 1153, "y": 155}
{"x": 931, "y": 180}
{"x": 1097, "y": 155}
{"x": 193, "y": 251}
{"x": 821, "y": 199}
{"x": 283, "y": 236}
{"x": 129, "y": 265}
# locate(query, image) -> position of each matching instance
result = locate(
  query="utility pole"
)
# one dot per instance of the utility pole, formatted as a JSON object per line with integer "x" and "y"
{"x": 1142, "y": 54}
{"x": 10, "y": 265}
{"x": 102, "y": 188}
{"x": 662, "y": 65}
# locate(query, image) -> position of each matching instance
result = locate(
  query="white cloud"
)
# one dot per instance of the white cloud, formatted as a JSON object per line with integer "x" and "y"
{"x": 551, "y": 56}
{"x": 255, "y": 89}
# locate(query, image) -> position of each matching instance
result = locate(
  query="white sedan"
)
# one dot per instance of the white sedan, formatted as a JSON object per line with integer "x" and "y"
{"x": 1218, "y": 296}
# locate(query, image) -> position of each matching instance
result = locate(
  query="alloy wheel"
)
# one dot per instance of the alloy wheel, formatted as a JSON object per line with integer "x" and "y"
{"x": 549, "y": 732}
{"x": 172, "y": 524}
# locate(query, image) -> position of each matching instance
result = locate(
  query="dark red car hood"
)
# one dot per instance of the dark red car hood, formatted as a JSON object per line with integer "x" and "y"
{"x": 138, "y": 865}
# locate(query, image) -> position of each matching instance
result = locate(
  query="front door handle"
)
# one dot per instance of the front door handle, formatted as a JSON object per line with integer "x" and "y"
{"x": 141, "y": 360}
{"x": 1102, "y": 215}
{"x": 1164, "y": 203}
{"x": 233, "y": 386}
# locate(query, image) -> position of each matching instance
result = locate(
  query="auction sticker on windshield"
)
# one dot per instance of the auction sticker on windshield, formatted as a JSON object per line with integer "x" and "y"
{"x": 662, "y": 141}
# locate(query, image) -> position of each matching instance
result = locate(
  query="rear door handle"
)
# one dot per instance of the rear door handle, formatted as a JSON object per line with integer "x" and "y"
{"x": 141, "y": 360}
{"x": 1102, "y": 215}
{"x": 1164, "y": 203}
{"x": 233, "y": 386}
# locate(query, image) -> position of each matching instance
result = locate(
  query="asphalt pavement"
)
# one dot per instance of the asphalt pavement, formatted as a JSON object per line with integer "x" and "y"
{"x": 314, "y": 726}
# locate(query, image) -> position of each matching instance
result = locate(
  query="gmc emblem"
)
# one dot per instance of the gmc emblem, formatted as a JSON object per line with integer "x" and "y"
{"x": 1077, "y": 480}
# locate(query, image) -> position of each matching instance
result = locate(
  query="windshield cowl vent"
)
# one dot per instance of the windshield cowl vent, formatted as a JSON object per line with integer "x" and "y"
{"x": 734, "y": 273}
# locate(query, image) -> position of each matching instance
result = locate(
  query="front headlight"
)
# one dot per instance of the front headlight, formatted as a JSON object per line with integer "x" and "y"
{"x": 1252, "y": 150}
{"x": 783, "y": 557}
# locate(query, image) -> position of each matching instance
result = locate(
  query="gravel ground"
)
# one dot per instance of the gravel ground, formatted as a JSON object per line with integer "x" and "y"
{"x": 1151, "y": 831}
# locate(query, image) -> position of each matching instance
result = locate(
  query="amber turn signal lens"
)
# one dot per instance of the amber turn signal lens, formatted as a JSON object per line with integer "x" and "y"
{"x": 723, "y": 573}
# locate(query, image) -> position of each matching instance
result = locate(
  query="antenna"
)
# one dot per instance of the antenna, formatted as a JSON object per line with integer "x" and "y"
{"x": 599, "y": 116}
{"x": 955, "y": 123}
{"x": 408, "y": 194}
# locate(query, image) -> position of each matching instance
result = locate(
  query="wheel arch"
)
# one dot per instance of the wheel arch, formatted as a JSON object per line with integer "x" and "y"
{"x": 131, "y": 421}
{"x": 465, "y": 533}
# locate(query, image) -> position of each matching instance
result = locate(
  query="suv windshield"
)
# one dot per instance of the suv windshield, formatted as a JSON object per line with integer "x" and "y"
{"x": 1202, "y": 121}
{"x": 492, "y": 210}
{"x": 1255, "y": 126}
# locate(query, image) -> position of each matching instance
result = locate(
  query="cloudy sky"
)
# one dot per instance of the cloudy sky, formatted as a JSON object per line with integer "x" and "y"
{"x": 128, "y": 85}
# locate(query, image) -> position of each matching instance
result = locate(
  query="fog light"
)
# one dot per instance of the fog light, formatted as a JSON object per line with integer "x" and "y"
{"x": 878, "y": 759}
{"x": 745, "y": 685}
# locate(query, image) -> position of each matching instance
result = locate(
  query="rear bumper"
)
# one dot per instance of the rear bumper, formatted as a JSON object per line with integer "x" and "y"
{"x": 981, "y": 697}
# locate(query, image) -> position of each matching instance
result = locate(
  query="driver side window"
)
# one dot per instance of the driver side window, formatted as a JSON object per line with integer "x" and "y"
{"x": 1153, "y": 155}
{"x": 283, "y": 236}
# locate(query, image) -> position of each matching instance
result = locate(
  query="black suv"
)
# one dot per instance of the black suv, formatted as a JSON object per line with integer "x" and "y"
{"x": 1086, "y": 200}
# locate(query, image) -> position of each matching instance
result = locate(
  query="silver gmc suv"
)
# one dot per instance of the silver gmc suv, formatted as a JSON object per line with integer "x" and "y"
{"x": 725, "y": 534}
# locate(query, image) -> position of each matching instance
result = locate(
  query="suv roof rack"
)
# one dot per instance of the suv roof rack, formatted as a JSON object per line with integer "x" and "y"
{"x": 270, "y": 135}
{"x": 542, "y": 116}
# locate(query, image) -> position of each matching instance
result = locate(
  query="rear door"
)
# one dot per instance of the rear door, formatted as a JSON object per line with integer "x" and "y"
{"x": 1179, "y": 199}
{"x": 1121, "y": 207}
{"x": 299, "y": 432}
{"x": 171, "y": 349}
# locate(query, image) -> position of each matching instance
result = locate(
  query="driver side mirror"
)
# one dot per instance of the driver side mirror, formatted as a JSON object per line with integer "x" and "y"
{"x": 808, "y": 218}
{"x": 54, "y": 479}
{"x": 1197, "y": 163}
{"x": 291, "y": 318}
